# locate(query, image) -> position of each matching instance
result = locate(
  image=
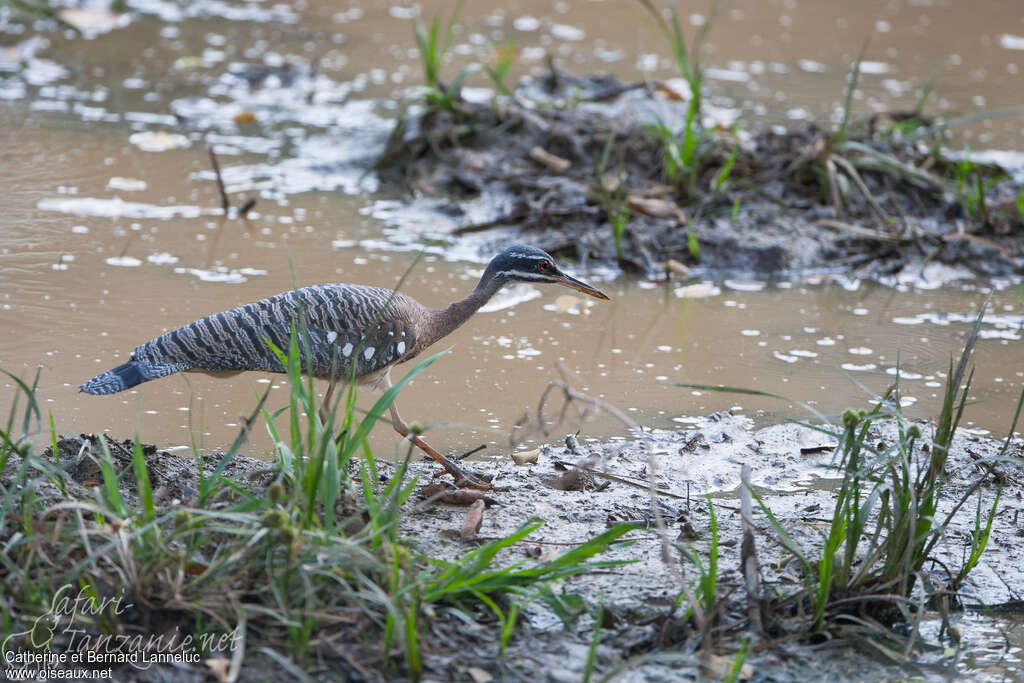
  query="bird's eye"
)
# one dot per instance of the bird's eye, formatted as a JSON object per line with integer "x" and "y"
{"x": 543, "y": 266}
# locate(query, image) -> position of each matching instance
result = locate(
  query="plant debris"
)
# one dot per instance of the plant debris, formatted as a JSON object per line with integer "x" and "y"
{"x": 569, "y": 177}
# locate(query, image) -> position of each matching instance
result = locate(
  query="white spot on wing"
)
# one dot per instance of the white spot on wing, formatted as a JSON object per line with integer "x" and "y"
{"x": 401, "y": 348}
{"x": 331, "y": 336}
{"x": 347, "y": 351}
{"x": 368, "y": 353}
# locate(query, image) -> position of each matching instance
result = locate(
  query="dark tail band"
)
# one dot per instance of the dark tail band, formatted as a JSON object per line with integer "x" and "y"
{"x": 128, "y": 375}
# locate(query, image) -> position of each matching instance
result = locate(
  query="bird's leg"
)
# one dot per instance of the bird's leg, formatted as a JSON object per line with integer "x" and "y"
{"x": 326, "y": 405}
{"x": 461, "y": 476}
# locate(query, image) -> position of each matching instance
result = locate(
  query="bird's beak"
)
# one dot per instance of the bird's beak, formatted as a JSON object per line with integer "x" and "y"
{"x": 561, "y": 278}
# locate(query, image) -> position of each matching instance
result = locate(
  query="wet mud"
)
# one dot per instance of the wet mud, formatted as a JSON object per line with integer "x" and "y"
{"x": 666, "y": 483}
{"x": 563, "y": 158}
{"x": 793, "y": 469}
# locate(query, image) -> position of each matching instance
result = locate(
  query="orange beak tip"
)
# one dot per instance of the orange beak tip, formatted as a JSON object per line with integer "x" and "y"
{"x": 580, "y": 286}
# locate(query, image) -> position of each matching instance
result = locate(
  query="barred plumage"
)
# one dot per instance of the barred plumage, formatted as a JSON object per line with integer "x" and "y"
{"x": 347, "y": 325}
{"x": 343, "y": 331}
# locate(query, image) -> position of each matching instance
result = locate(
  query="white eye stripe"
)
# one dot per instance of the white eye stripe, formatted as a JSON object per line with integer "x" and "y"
{"x": 526, "y": 275}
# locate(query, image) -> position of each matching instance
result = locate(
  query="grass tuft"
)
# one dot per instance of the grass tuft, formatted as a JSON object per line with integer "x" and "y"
{"x": 433, "y": 49}
{"x": 273, "y": 572}
{"x": 864, "y": 578}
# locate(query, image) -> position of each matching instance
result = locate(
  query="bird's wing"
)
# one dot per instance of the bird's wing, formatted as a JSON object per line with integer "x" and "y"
{"x": 340, "y": 328}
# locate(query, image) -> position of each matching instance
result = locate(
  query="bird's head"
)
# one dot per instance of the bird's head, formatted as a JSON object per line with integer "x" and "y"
{"x": 520, "y": 263}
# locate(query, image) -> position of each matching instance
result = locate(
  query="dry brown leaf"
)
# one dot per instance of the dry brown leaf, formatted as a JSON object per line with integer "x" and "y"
{"x": 431, "y": 490}
{"x": 219, "y": 668}
{"x": 526, "y": 457}
{"x": 195, "y": 568}
{"x": 716, "y": 666}
{"x": 660, "y": 191}
{"x": 673, "y": 266}
{"x": 546, "y": 158}
{"x": 479, "y": 675}
{"x": 572, "y": 480}
{"x": 474, "y": 518}
{"x": 655, "y": 207}
{"x": 444, "y": 493}
{"x": 670, "y": 93}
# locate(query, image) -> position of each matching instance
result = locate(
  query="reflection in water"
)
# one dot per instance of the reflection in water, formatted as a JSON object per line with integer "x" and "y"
{"x": 813, "y": 341}
{"x": 105, "y": 244}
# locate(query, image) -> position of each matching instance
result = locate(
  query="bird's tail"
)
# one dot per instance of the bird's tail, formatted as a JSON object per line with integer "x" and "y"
{"x": 128, "y": 375}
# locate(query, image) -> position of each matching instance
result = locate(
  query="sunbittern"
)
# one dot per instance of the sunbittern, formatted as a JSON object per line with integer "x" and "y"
{"x": 352, "y": 331}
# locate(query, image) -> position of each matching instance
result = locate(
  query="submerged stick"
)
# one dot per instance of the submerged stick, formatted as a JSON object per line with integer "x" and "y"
{"x": 224, "y": 202}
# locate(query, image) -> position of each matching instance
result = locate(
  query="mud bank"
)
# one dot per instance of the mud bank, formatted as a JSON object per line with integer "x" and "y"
{"x": 666, "y": 484}
{"x": 568, "y": 162}
{"x": 793, "y": 469}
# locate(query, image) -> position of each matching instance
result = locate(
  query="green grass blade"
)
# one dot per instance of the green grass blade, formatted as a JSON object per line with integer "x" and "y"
{"x": 142, "y": 481}
{"x": 840, "y": 136}
{"x": 723, "y": 175}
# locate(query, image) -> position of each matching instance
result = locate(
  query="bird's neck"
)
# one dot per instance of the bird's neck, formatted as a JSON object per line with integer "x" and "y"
{"x": 447, "y": 320}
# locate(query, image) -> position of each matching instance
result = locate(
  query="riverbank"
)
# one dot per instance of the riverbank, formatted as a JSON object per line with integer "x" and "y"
{"x": 625, "y": 558}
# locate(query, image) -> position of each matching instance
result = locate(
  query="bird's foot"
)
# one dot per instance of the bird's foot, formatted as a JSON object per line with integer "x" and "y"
{"x": 462, "y": 477}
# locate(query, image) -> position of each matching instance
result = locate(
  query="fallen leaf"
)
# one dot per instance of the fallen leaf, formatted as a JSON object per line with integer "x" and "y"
{"x": 244, "y": 117}
{"x": 669, "y": 93}
{"x": 526, "y": 457}
{"x": 611, "y": 184}
{"x": 219, "y": 668}
{"x": 195, "y": 568}
{"x": 656, "y": 208}
{"x": 546, "y": 158}
{"x": 444, "y": 493}
{"x": 474, "y": 518}
{"x": 661, "y": 191}
{"x": 716, "y": 666}
{"x": 673, "y": 266}
{"x": 431, "y": 490}
{"x": 572, "y": 480}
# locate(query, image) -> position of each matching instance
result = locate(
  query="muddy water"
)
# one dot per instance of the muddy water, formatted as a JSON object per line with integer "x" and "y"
{"x": 110, "y": 232}
{"x": 81, "y": 290}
